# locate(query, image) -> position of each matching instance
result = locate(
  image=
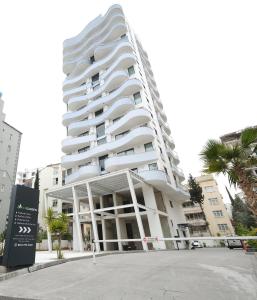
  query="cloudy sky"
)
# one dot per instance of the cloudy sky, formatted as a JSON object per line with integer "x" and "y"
{"x": 203, "y": 55}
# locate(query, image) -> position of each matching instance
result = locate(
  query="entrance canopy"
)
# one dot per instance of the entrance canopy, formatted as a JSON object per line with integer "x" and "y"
{"x": 100, "y": 185}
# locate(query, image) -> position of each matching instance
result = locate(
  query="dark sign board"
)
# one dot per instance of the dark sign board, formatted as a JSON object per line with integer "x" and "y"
{"x": 20, "y": 245}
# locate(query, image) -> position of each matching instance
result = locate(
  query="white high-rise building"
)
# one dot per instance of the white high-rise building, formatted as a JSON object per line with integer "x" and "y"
{"x": 118, "y": 149}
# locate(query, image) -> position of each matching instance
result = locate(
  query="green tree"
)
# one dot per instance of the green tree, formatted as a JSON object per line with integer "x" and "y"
{"x": 58, "y": 226}
{"x": 242, "y": 215}
{"x": 196, "y": 196}
{"x": 2, "y": 238}
{"x": 36, "y": 184}
{"x": 235, "y": 161}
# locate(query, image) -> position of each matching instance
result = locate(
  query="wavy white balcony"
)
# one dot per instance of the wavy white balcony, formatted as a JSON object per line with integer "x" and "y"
{"x": 103, "y": 50}
{"x": 173, "y": 154}
{"x": 102, "y": 64}
{"x": 168, "y": 139}
{"x": 116, "y": 163}
{"x": 99, "y": 35}
{"x": 128, "y": 88}
{"x": 72, "y": 144}
{"x": 133, "y": 118}
{"x": 112, "y": 82}
{"x": 70, "y": 61}
{"x": 178, "y": 171}
{"x": 136, "y": 136}
{"x": 160, "y": 180}
{"x": 118, "y": 108}
{"x": 121, "y": 63}
{"x": 92, "y": 27}
{"x": 83, "y": 173}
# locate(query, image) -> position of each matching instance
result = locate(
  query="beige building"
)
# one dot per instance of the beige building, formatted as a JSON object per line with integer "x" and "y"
{"x": 214, "y": 208}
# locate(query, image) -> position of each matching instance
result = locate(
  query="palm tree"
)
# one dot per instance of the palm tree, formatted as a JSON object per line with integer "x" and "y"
{"x": 58, "y": 226}
{"x": 196, "y": 196}
{"x": 235, "y": 161}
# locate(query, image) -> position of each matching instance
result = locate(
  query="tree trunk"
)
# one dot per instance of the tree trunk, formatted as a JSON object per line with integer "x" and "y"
{"x": 205, "y": 219}
{"x": 247, "y": 185}
{"x": 59, "y": 247}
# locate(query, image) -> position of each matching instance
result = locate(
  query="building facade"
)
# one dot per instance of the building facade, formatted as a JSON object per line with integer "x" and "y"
{"x": 26, "y": 177}
{"x": 50, "y": 177}
{"x": 217, "y": 221}
{"x": 10, "y": 139}
{"x": 233, "y": 139}
{"x": 117, "y": 129}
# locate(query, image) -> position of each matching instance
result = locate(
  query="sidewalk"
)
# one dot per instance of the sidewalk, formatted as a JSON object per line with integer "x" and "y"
{"x": 45, "y": 256}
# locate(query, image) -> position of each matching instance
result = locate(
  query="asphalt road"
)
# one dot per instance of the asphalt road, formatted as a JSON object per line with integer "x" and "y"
{"x": 177, "y": 275}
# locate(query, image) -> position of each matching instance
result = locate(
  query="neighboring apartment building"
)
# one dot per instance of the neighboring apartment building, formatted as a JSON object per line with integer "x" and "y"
{"x": 51, "y": 176}
{"x": 115, "y": 123}
{"x": 26, "y": 177}
{"x": 10, "y": 139}
{"x": 232, "y": 139}
{"x": 214, "y": 208}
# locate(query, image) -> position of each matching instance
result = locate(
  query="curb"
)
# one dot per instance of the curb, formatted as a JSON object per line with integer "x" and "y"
{"x": 41, "y": 266}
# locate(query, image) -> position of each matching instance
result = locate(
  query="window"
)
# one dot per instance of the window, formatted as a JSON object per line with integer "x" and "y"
{"x": 223, "y": 227}
{"x": 131, "y": 70}
{"x": 55, "y": 181}
{"x": 209, "y": 189}
{"x": 55, "y": 203}
{"x": 134, "y": 170}
{"x": 213, "y": 201}
{"x": 218, "y": 213}
{"x": 95, "y": 78}
{"x": 171, "y": 204}
{"x": 118, "y": 136}
{"x": 85, "y": 164}
{"x": 123, "y": 35}
{"x": 102, "y": 162}
{"x": 84, "y": 149}
{"x": 10, "y": 137}
{"x": 92, "y": 59}
{"x": 148, "y": 147}
{"x": 2, "y": 188}
{"x": 69, "y": 171}
{"x": 100, "y": 130}
{"x": 165, "y": 170}
{"x": 101, "y": 141}
{"x": 99, "y": 112}
{"x": 126, "y": 152}
{"x": 137, "y": 98}
{"x": 84, "y": 133}
{"x": 152, "y": 166}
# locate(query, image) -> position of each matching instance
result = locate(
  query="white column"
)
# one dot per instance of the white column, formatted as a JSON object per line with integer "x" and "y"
{"x": 138, "y": 217}
{"x": 117, "y": 221}
{"x": 49, "y": 238}
{"x": 103, "y": 224}
{"x": 153, "y": 217}
{"x": 91, "y": 206}
{"x": 78, "y": 243}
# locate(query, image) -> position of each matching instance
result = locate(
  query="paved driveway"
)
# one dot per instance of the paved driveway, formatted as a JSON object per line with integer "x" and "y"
{"x": 177, "y": 275}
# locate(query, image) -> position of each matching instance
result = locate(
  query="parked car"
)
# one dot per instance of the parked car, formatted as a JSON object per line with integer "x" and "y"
{"x": 236, "y": 243}
{"x": 196, "y": 244}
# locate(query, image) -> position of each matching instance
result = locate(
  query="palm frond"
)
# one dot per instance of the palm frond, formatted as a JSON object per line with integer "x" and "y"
{"x": 248, "y": 137}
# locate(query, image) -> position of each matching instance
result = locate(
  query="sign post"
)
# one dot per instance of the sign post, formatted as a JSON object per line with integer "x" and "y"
{"x": 20, "y": 245}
